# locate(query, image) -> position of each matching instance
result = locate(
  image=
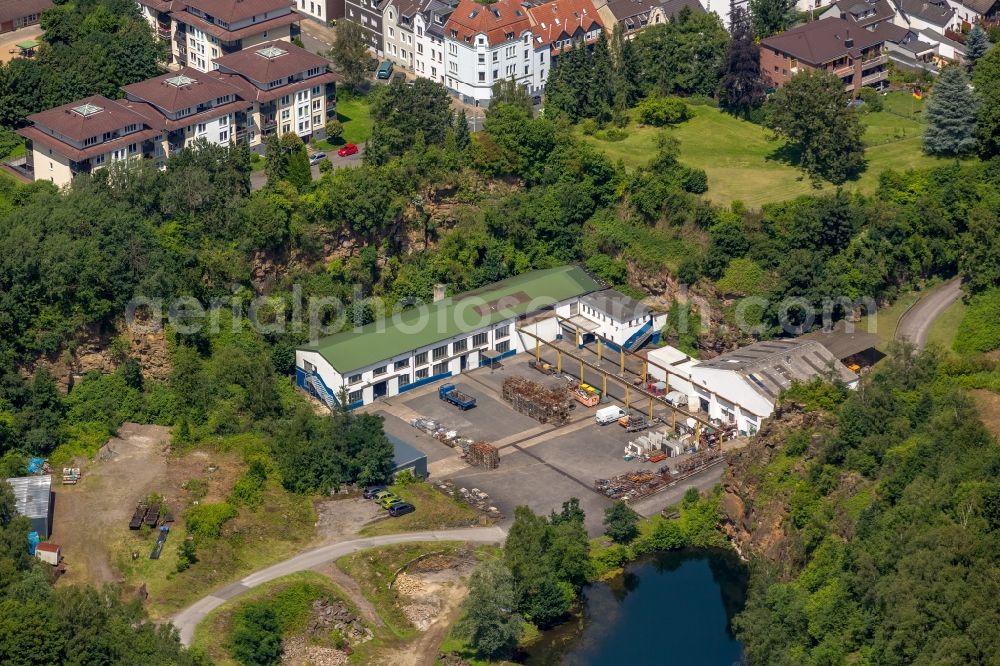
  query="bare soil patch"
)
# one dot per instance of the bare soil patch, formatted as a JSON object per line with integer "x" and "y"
{"x": 90, "y": 519}
{"x": 340, "y": 517}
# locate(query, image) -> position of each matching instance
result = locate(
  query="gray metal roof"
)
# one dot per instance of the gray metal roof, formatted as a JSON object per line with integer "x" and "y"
{"x": 616, "y": 305}
{"x": 32, "y": 495}
{"x": 842, "y": 342}
{"x": 402, "y": 453}
{"x": 773, "y": 365}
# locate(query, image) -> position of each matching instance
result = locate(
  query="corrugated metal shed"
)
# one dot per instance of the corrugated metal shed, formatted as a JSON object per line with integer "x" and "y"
{"x": 406, "y": 457}
{"x": 33, "y": 495}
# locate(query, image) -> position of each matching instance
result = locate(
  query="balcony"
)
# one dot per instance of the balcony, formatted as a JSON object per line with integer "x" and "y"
{"x": 874, "y": 77}
{"x": 269, "y": 124}
{"x": 872, "y": 62}
{"x": 163, "y": 32}
{"x": 845, "y": 71}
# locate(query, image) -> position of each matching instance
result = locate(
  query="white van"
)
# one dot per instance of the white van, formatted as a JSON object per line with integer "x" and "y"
{"x": 607, "y": 415}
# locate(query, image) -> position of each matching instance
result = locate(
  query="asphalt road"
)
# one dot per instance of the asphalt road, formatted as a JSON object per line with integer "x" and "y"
{"x": 916, "y": 321}
{"x": 188, "y": 619}
{"x": 258, "y": 179}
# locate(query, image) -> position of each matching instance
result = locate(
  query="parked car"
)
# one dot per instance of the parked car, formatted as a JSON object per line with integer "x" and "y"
{"x": 389, "y": 502}
{"x": 369, "y": 492}
{"x": 316, "y": 158}
{"x": 384, "y": 70}
{"x": 398, "y": 77}
{"x": 382, "y": 494}
{"x": 348, "y": 149}
{"x": 401, "y": 509}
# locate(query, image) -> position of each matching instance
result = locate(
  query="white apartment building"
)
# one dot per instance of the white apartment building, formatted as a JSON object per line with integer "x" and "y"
{"x": 200, "y": 31}
{"x": 428, "y": 35}
{"x": 487, "y": 43}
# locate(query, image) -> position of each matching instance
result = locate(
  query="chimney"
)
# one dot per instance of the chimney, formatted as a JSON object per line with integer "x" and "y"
{"x": 849, "y": 42}
{"x": 439, "y": 292}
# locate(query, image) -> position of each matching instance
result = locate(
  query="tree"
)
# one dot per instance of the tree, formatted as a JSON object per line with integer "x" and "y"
{"x": 742, "y": 88}
{"x": 976, "y": 46}
{"x": 489, "y": 622}
{"x": 299, "y": 171}
{"x": 350, "y": 53}
{"x": 509, "y": 91}
{"x": 334, "y": 129}
{"x": 256, "y": 639}
{"x": 621, "y": 523}
{"x": 460, "y": 125}
{"x": 951, "y": 115}
{"x": 811, "y": 112}
{"x": 986, "y": 79}
{"x": 186, "y": 555}
{"x": 771, "y": 16}
{"x": 401, "y": 113}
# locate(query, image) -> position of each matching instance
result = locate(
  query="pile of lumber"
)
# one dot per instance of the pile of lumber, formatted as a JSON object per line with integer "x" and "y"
{"x": 545, "y": 404}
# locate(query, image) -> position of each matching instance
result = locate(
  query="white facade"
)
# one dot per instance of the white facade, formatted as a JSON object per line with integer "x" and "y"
{"x": 473, "y": 68}
{"x": 398, "y": 42}
{"x": 429, "y": 47}
{"x": 314, "y": 9}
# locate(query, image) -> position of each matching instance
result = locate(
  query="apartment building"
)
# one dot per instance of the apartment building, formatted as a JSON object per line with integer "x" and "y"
{"x": 558, "y": 26}
{"x": 274, "y": 89}
{"x": 636, "y": 15}
{"x": 85, "y": 135}
{"x": 200, "y": 31}
{"x": 367, "y": 14}
{"x": 854, "y": 54}
{"x": 290, "y": 89}
{"x": 322, "y": 11}
{"x": 192, "y": 106}
{"x": 428, "y": 37}
{"x": 398, "y": 38}
{"x": 16, "y": 14}
{"x": 487, "y": 43}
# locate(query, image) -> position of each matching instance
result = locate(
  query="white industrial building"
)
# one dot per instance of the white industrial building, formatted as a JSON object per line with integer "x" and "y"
{"x": 459, "y": 333}
{"x": 741, "y": 387}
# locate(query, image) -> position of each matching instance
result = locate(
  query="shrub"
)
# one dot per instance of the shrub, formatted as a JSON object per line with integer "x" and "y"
{"x": 695, "y": 181}
{"x": 621, "y": 523}
{"x": 872, "y": 100}
{"x": 588, "y": 126}
{"x": 205, "y": 521}
{"x": 334, "y": 129}
{"x": 979, "y": 330}
{"x": 249, "y": 490}
{"x": 666, "y": 535}
{"x": 609, "y": 559}
{"x": 256, "y": 637}
{"x": 613, "y": 134}
{"x": 660, "y": 111}
{"x": 186, "y": 555}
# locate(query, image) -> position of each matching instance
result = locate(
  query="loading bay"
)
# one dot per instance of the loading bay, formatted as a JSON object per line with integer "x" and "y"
{"x": 541, "y": 465}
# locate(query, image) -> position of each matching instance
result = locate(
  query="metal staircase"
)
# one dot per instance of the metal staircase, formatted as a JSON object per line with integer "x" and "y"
{"x": 641, "y": 339}
{"x": 315, "y": 384}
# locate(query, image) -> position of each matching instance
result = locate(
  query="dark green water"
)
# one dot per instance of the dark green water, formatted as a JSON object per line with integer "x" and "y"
{"x": 669, "y": 608}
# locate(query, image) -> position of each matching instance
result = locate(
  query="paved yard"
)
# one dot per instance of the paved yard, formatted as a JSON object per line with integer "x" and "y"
{"x": 540, "y": 465}
{"x": 7, "y": 41}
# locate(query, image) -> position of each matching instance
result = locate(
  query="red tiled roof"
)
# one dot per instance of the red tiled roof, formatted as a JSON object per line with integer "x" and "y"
{"x": 258, "y": 64}
{"x": 225, "y": 35}
{"x": 47, "y": 547}
{"x": 108, "y": 116}
{"x": 563, "y": 19}
{"x": 820, "y": 42}
{"x": 496, "y": 21}
{"x": 167, "y": 93}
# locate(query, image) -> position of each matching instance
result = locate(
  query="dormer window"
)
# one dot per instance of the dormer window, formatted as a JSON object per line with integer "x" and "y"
{"x": 131, "y": 128}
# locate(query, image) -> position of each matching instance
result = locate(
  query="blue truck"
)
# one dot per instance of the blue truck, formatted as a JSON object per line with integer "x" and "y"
{"x": 451, "y": 394}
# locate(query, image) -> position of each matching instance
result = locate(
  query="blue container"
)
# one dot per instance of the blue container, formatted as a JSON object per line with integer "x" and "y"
{"x": 35, "y": 465}
{"x": 33, "y": 540}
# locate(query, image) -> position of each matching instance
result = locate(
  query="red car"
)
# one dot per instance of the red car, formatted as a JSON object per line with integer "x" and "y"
{"x": 348, "y": 149}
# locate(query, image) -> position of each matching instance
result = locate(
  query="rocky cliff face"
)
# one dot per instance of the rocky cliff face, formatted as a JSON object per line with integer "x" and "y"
{"x": 755, "y": 504}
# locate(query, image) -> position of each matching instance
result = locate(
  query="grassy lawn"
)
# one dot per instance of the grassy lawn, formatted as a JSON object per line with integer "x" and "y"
{"x": 295, "y": 592}
{"x": 356, "y": 117}
{"x": 280, "y": 527}
{"x": 944, "y": 328}
{"x": 434, "y": 511}
{"x": 742, "y": 163}
{"x": 461, "y": 647}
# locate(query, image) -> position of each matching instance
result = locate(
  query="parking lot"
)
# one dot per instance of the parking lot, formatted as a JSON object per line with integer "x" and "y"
{"x": 541, "y": 465}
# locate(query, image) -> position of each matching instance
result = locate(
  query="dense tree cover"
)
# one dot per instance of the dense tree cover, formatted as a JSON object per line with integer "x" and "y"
{"x": 772, "y": 16}
{"x": 743, "y": 86}
{"x": 407, "y": 115}
{"x": 256, "y": 637}
{"x": 810, "y": 111}
{"x": 892, "y": 531}
{"x": 621, "y": 523}
{"x": 951, "y": 115}
{"x": 548, "y": 561}
{"x": 979, "y": 330}
{"x": 90, "y": 47}
{"x": 489, "y": 620}
{"x": 684, "y": 56}
{"x": 986, "y": 79}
